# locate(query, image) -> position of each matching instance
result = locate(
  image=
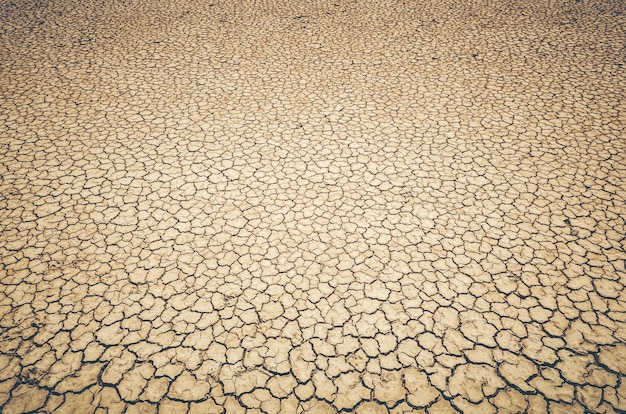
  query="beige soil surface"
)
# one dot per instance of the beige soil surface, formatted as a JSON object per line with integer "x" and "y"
{"x": 373, "y": 206}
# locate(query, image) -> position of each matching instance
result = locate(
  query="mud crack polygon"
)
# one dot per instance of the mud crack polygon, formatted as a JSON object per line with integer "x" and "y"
{"x": 366, "y": 206}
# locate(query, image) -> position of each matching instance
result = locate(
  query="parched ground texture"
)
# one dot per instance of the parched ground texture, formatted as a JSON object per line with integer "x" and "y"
{"x": 312, "y": 206}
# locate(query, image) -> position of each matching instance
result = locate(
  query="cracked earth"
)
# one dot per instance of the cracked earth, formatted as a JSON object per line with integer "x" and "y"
{"x": 334, "y": 205}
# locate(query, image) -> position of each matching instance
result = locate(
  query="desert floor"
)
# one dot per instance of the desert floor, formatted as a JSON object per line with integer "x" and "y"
{"x": 312, "y": 206}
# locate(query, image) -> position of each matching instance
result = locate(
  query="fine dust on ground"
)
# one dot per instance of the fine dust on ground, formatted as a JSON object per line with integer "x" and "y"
{"x": 312, "y": 206}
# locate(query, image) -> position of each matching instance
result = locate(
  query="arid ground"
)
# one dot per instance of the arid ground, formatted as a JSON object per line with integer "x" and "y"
{"x": 312, "y": 206}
